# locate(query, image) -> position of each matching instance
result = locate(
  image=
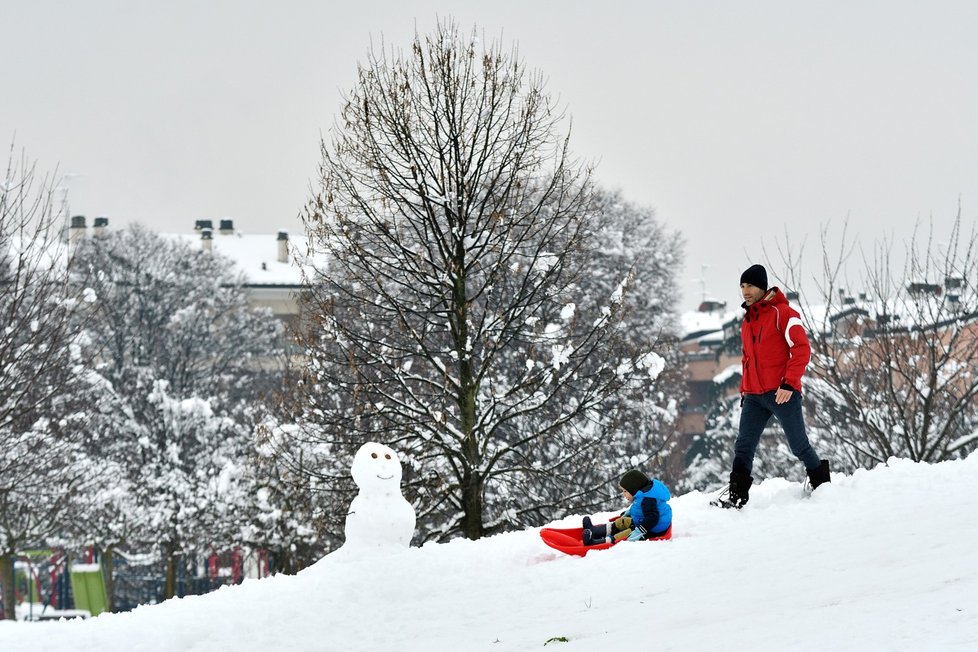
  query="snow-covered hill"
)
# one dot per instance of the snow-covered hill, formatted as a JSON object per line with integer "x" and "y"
{"x": 883, "y": 560}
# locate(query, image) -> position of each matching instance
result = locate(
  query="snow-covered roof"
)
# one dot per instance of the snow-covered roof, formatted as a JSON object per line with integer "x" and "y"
{"x": 695, "y": 323}
{"x": 904, "y": 311}
{"x": 728, "y": 373}
{"x": 46, "y": 253}
{"x": 256, "y": 255}
{"x": 711, "y": 337}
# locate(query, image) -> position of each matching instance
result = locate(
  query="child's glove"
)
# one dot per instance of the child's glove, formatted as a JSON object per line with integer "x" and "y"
{"x": 622, "y": 523}
{"x": 625, "y": 534}
{"x": 636, "y": 535}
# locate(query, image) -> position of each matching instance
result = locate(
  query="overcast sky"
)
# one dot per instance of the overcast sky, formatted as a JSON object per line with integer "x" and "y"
{"x": 735, "y": 120}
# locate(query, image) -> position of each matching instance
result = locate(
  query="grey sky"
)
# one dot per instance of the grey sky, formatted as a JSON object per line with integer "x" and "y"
{"x": 732, "y": 119}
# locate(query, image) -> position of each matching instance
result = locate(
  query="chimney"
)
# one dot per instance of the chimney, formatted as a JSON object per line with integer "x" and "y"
{"x": 77, "y": 229}
{"x": 227, "y": 227}
{"x": 207, "y": 239}
{"x": 101, "y": 227}
{"x": 283, "y": 246}
{"x": 200, "y": 225}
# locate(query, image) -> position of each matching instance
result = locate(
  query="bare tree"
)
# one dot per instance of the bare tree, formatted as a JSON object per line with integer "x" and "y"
{"x": 448, "y": 321}
{"x": 895, "y": 349}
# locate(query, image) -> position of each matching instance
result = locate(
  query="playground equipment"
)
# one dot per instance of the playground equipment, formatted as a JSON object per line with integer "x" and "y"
{"x": 88, "y": 588}
{"x": 48, "y": 586}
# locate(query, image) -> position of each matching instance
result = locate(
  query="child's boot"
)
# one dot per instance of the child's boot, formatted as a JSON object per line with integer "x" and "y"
{"x": 595, "y": 534}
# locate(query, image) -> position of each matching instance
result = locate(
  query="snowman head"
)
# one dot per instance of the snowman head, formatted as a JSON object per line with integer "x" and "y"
{"x": 376, "y": 468}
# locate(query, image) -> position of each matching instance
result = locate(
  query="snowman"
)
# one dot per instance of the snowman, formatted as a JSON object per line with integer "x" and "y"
{"x": 379, "y": 516}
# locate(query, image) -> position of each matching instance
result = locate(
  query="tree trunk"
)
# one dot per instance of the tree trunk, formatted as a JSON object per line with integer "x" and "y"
{"x": 472, "y": 480}
{"x": 472, "y": 506}
{"x": 170, "y": 583}
{"x": 7, "y": 585}
{"x": 107, "y": 573}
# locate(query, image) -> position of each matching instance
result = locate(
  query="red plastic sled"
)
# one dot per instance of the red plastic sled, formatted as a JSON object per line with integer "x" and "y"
{"x": 569, "y": 542}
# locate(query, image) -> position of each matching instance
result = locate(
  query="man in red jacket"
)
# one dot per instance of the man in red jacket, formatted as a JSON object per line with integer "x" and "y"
{"x": 776, "y": 352}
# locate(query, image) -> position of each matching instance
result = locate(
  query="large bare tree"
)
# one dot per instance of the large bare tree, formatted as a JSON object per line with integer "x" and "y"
{"x": 895, "y": 349}
{"x": 448, "y": 320}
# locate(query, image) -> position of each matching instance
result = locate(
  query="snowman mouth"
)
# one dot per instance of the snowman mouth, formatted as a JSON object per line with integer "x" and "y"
{"x": 386, "y": 477}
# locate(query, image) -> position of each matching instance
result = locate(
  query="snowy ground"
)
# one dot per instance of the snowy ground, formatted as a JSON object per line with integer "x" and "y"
{"x": 883, "y": 560}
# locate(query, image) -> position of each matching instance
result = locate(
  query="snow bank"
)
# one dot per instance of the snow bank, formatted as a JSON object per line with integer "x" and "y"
{"x": 882, "y": 560}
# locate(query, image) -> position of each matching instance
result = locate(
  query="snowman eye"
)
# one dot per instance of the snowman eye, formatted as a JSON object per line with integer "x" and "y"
{"x": 373, "y": 455}
{"x": 387, "y": 456}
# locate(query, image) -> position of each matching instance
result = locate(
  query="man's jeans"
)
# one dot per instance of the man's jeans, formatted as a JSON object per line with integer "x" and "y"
{"x": 754, "y": 415}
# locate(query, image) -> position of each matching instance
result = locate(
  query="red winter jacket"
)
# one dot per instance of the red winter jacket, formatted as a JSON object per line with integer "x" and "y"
{"x": 776, "y": 348}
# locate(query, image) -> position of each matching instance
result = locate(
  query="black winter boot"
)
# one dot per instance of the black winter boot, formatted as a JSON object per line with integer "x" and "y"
{"x": 819, "y": 475}
{"x": 740, "y": 483}
{"x": 737, "y": 493}
{"x": 594, "y": 535}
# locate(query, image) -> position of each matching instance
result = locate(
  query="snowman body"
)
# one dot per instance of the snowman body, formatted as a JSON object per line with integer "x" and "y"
{"x": 379, "y": 516}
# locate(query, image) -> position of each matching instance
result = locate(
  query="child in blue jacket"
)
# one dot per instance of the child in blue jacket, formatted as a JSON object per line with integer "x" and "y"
{"x": 648, "y": 516}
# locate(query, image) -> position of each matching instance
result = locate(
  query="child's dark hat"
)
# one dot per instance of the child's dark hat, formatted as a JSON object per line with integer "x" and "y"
{"x": 756, "y": 275}
{"x": 633, "y": 481}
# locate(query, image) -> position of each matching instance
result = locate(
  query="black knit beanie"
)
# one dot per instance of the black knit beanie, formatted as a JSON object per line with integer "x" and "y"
{"x": 756, "y": 275}
{"x": 633, "y": 481}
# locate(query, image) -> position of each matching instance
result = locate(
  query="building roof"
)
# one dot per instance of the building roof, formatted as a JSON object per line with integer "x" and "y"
{"x": 256, "y": 255}
{"x": 910, "y": 309}
{"x": 696, "y": 324}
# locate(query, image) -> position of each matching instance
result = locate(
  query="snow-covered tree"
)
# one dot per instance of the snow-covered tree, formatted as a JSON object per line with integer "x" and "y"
{"x": 630, "y": 241}
{"x": 450, "y": 322}
{"x": 298, "y": 515}
{"x": 46, "y": 481}
{"x": 710, "y": 455}
{"x": 186, "y": 359}
{"x": 636, "y": 424}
